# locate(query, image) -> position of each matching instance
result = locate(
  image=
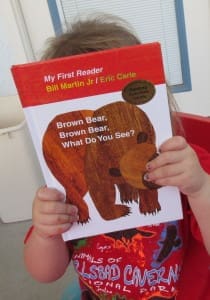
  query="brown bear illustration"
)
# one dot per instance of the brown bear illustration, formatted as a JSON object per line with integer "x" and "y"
{"x": 111, "y": 150}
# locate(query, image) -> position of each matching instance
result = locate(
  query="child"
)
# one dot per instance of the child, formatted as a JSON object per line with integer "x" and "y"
{"x": 133, "y": 265}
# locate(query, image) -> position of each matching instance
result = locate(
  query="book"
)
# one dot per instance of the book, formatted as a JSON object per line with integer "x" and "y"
{"x": 96, "y": 119}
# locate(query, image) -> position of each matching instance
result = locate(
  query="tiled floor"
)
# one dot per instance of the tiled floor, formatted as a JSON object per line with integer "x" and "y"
{"x": 15, "y": 282}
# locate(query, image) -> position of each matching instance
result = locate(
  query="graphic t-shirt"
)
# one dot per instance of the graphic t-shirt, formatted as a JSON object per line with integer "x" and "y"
{"x": 141, "y": 263}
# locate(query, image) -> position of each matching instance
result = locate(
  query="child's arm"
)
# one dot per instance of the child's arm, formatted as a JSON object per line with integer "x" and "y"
{"x": 178, "y": 165}
{"x": 46, "y": 254}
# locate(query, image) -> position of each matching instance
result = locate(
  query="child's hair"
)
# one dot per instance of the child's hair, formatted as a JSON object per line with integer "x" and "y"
{"x": 95, "y": 33}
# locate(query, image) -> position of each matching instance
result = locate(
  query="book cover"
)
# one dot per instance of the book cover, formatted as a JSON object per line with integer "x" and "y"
{"x": 96, "y": 119}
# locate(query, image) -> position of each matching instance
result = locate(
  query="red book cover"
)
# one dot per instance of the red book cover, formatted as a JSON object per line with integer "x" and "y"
{"x": 96, "y": 119}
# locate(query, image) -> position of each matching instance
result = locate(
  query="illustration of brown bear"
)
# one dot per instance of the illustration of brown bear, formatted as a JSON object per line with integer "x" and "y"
{"x": 67, "y": 163}
{"x": 112, "y": 150}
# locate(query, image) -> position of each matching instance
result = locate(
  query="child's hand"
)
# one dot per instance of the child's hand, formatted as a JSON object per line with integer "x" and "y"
{"x": 177, "y": 165}
{"x": 51, "y": 215}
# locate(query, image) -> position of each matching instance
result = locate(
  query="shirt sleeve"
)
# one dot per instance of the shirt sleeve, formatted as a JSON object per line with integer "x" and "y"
{"x": 28, "y": 234}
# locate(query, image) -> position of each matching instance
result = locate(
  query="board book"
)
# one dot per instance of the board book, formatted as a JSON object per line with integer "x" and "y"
{"x": 96, "y": 119}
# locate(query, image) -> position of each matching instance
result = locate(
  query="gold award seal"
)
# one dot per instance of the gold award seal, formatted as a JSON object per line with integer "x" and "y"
{"x": 138, "y": 91}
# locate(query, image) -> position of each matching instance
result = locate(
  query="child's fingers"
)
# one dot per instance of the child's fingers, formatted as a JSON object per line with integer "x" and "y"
{"x": 54, "y": 207}
{"x": 175, "y": 150}
{"x": 52, "y": 230}
{"x": 165, "y": 159}
{"x": 175, "y": 180}
{"x": 51, "y": 201}
{"x": 56, "y": 219}
{"x": 51, "y": 215}
{"x": 45, "y": 193}
{"x": 166, "y": 171}
{"x": 173, "y": 144}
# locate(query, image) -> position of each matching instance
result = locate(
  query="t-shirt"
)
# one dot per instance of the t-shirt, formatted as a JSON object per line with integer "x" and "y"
{"x": 163, "y": 261}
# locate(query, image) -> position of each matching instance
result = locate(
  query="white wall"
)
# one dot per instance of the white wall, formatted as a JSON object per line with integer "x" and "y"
{"x": 197, "y": 18}
{"x": 38, "y": 21}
